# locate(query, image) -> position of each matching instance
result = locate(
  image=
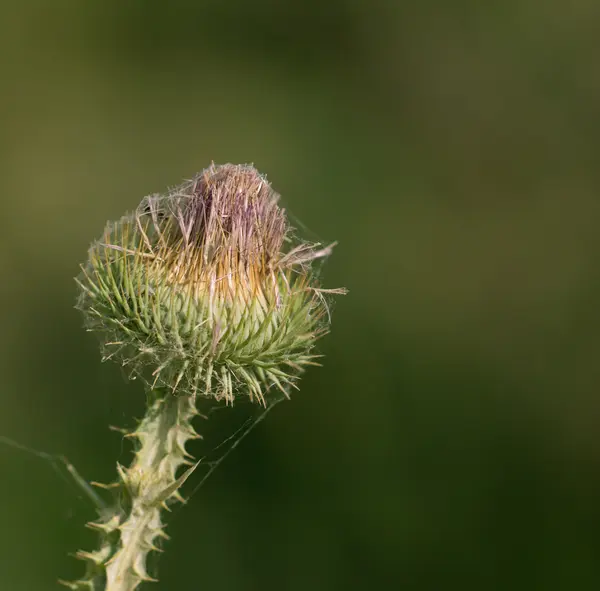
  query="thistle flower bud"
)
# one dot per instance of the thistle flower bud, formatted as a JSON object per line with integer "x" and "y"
{"x": 205, "y": 290}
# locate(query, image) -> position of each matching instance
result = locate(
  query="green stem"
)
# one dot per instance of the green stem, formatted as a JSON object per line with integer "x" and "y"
{"x": 130, "y": 529}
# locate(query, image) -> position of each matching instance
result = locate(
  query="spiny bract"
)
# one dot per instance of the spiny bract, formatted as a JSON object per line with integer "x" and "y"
{"x": 205, "y": 291}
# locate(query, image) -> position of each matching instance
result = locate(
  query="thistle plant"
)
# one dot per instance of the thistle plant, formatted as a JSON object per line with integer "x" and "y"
{"x": 204, "y": 293}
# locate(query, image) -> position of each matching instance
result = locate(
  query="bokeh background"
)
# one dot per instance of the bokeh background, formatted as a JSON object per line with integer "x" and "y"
{"x": 451, "y": 440}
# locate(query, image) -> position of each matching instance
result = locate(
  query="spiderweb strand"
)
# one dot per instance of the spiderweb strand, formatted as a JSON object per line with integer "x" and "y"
{"x": 56, "y": 461}
{"x": 235, "y": 439}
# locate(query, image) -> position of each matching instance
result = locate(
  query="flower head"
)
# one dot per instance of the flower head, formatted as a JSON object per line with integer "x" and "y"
{"x": 205, "y": 290}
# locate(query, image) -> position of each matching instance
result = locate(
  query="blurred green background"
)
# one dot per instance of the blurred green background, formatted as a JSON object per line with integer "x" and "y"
{"x": 451, "y": 440}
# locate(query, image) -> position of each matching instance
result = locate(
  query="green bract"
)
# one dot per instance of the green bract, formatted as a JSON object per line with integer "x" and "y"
{"x": 205, "y": 291}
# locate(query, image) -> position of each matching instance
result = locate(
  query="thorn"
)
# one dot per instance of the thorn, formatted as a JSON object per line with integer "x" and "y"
{"x": 105, "y": 486}
{"x": 153, "y": 548}
{"x": 106, "y": 527}
{"x": 122, "y": 472}
{"x": 87, "y": 557}
{"x": 178, "y": 497}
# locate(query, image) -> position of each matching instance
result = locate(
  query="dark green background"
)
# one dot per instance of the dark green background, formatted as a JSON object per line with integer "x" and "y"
{"x": 451, "y": 440}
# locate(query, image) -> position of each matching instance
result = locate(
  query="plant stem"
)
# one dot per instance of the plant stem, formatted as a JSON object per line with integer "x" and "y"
{"x": 129, "y": 530}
